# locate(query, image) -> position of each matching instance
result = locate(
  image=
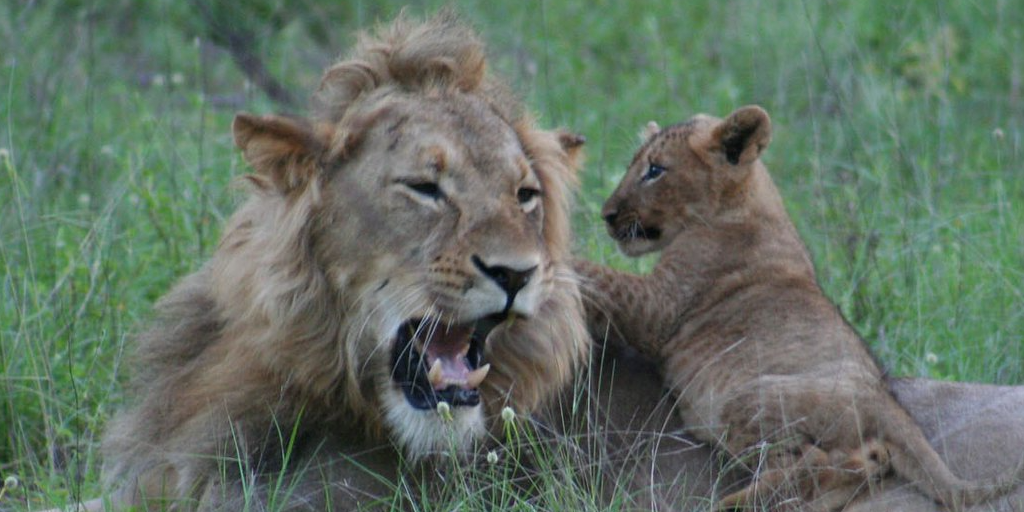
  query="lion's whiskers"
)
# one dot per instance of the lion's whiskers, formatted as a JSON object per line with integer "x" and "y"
{"x": 399, "y": 308}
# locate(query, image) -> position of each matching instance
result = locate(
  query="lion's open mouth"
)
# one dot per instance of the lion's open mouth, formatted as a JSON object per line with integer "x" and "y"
{"x": 636, "y": 231}
{"x": 435, "y": 362}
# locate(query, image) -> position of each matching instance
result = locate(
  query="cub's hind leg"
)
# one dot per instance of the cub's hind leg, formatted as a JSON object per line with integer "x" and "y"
{"x": 810, "y": 478}
{"x": 803, "y": 417}
{"x": 781, "y": 472}
{"x": 850, "y": 473}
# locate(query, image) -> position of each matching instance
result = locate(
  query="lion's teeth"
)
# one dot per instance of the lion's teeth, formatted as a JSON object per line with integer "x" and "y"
{"x": 475, "y": 377}
{"x": 436, "y": 380}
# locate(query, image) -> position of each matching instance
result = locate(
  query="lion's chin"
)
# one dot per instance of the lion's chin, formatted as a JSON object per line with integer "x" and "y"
{"x": 432, "y": 397}
{"x": 425, "y": 433}
{"x": 634, "y": 247}
{"x": 635, "y": 239}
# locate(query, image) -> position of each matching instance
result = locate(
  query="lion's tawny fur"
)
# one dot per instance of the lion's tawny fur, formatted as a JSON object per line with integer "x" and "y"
{"x": 279, "y": 347}
{"x": 750, "y": 345}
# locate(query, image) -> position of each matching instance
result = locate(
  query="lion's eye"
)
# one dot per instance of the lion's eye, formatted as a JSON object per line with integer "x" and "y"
{"x": 525, "y": 195}
{"x": 426, "y": 188}
{"x": 654, "y": 171}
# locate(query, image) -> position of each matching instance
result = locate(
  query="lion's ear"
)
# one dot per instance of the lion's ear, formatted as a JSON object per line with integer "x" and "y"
{"x": 738, "y": 139}
{"x": 572, "y": 143}
{"x": 648, "y": 131}
{"x": 284, "y": 151}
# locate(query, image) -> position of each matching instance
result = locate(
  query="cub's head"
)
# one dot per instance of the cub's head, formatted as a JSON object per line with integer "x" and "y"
{"x": 409, "y": 246}
{"x": 685, "y": 174}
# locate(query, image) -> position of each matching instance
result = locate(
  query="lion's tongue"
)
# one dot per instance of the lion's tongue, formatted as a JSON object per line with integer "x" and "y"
{"x": 446, "y": 357}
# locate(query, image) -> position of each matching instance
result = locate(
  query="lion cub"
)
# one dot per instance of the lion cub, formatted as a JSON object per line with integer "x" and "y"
{"x": 762, "y": 363}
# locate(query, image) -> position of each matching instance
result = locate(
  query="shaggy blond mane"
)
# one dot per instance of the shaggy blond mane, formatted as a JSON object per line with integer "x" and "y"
{"x": 438, "y": 55}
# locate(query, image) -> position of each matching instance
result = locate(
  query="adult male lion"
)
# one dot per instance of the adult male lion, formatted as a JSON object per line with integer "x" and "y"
{"x": 406, "y": 247}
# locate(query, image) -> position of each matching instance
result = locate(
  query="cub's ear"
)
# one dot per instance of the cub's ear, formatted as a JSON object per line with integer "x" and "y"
{"x": 572, "y": 143}
{"x": 284, "y": 151}
{"x": 648, "y": 131}
{"x": 741, "y": 137}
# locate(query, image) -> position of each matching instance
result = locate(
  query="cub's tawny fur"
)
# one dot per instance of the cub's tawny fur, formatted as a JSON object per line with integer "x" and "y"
{"x": 407, "y": 246}
{"x": 761, "y": 362}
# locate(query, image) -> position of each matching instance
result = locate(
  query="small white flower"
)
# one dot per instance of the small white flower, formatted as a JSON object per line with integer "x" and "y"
{"x": 159, "y": 80}
{"x": 931, "y": 358}
{"x": 998, "y": 134}
{"x": 492, "y": 457}
{"x": 11, "y": 483}
{"x": 508, "y": 415}
{"x": 84, "y": 199}
{"x": 4, "y": 153}
{"x": 444, "y": 410}
{"x": 177, "y": 78}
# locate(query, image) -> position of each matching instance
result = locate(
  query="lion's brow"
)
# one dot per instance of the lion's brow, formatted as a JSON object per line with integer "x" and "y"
{"x": 524, "y": 167}
{"x": 394, "y": 131}
{"x": 684, "y": 126}
{"x": 435, "y": 157}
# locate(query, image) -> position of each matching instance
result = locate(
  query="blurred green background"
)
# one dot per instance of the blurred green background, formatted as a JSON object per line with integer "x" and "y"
{"x": 897, "y": 147}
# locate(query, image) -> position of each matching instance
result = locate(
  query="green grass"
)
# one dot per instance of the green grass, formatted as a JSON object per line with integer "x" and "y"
{"x": 897, "y": 146}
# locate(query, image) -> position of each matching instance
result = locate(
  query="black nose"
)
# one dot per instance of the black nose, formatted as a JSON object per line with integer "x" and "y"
{"x": 509, "y": 279}
{"x": 611, "y": 216}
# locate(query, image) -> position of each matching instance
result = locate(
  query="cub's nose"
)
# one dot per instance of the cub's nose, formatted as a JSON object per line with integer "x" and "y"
{"x": 509, "y": 279}
{"x": 610, "y": 216}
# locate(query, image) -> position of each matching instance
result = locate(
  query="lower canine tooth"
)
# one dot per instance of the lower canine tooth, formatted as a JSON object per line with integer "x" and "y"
{"x": 434, "y": 376}
{"x": 475, "y": 377}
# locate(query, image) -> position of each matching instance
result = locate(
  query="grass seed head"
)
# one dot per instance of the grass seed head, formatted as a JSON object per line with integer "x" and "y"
{"x": 508, "y": 415}
{"x": 444, "y": 410}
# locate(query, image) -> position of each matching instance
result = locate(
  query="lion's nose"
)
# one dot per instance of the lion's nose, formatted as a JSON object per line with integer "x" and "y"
{"x": 610, "y": 216}
{"x": 509, "y": 279}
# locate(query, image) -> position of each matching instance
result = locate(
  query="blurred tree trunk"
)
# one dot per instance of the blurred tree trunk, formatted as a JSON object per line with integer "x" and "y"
{"x": 230, "y": 26}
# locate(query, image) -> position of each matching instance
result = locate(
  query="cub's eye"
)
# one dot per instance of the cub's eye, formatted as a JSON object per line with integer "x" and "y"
{"x": 525, "y": 195}
{"x": 426, "y": 188}
{"x": 653, "y": 171}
